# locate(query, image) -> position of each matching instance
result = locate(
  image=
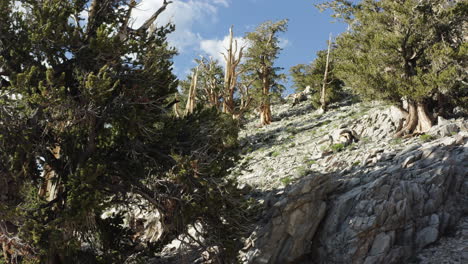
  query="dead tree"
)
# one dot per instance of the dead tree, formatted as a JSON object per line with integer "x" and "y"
{"x": 210, "y": 82}
{"x": 191, "y": 100}
{"x": 232, "y": 58}
{"x": 323, "y": 101}
{"x": 245, "y": 98}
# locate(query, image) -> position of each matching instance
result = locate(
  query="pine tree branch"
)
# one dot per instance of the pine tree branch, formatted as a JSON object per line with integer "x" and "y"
{"x": 153, "y": 18}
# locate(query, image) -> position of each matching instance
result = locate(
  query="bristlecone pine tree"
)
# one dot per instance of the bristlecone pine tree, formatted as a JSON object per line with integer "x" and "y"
{"x": 323, "y": 91}
{"x": 224, "y": 90}
{"x": 312, "y": 75}
{"x": 86, "y": 127}
{"x": 259, "y": 64}
{"x": 232, "y": 58}
{"x": 205, "y": 85}
{"x": 408, "y": 50}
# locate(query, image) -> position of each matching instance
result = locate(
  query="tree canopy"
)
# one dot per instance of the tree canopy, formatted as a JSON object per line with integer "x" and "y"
{"x": 304, "y": 75}
{"x": 404, "y": 49}
{"x": 260, "y": 66}
{"x": 85, "y": 129}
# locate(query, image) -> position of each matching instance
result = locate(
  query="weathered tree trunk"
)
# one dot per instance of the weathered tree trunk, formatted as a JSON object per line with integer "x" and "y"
{"x": 231, "y": 73}
{"x": 176, "y": 107}
{"x": 265, "y": 109}
{"x": 417, "y": 121}
{"x": 424, "y": 120}
{"x": 265, "y": 114}
{"x": 192, "y": 94}
{"x": 50, "y": 187}
{"x": 323, "y": 102}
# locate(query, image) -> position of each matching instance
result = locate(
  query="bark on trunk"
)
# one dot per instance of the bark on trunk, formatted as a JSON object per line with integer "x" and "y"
{"x": 232, "y": 59}
{"x": 192, "y": 94}
{"x": 424, "y": 120}
{"x": 265, "y": 114}
{"x": 323, "y": 102}
{"x": 265, "y": 109}
{"x": 417, "y": 121}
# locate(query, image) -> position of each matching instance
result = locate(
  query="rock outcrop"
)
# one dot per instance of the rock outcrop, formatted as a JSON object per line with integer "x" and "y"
{"x": 377, "y": 201}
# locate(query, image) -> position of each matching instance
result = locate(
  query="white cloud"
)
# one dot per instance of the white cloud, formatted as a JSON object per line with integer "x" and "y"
{"x": 184, "y": 14}
{"x": 283, "y": 42}
{"x": 215, "y": 47}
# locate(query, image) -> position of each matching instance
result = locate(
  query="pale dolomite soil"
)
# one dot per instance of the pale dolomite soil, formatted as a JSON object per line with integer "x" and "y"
{"x": 380, "y": 200}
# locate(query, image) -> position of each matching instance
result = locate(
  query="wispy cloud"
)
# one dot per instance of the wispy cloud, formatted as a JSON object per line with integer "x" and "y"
{"x": 284, "y": 42}
{"x": 184, "y": 14}
{"x": 216, "y": 47}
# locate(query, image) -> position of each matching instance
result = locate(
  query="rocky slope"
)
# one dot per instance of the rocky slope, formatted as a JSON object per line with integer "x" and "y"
{"x": 379, "y": 200}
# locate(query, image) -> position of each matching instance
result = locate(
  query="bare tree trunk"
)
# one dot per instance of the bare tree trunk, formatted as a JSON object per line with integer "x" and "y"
{"x": 230, "y": 76}
{"x": 265, "y": 114}
{"x": 265, "y": 109}
{"x": 50, "y": 187}
{"x": 424, "y": 120}
{"x": 417, "y": 121}
{"x": 192, "y": 94}
{"x": 176, "y": 107}
{"x": 323, "y": 102}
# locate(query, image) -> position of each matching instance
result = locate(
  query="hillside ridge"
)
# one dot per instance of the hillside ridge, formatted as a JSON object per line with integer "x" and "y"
{"x": 377, "y": 200}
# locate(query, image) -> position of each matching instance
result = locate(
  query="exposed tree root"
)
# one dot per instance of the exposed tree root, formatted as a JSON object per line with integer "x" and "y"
{"x": 418, "y": 121}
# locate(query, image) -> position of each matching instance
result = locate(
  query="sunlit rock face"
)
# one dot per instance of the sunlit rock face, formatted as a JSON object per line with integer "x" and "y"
{"x": 378, "y": 200}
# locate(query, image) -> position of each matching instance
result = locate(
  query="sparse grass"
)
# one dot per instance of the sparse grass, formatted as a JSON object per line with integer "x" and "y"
{"x": 247, "y": 150}
{"x": 286, "y": 180}
{"x": 357, "y": 115}
{"x": 351, "y": 146}
{"x": 311, "y": 162}
{"x": 454, "y": 133}
{"x": 356, "y": 163}
{"x": 261, "y": 149}
{"x": 396, "y": 141}
{"x": 426, "y": 138}
{"x": 326, "y": 122}
{"x": 275, "y": 153}
{"x": 337, "y": 147}
{"x": 365, "y": 140}
{"x": 292, "y": 130}
{"x": 292, "y": 145}
{"x": 302, "y": 171}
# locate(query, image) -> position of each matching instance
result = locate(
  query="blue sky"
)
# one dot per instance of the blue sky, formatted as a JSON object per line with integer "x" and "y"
{"x": 202, "y": 27}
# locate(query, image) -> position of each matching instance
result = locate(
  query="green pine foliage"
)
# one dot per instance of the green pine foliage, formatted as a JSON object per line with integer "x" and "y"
{"x": 259, "y": 66}
{"x": 210, "y": 83}
{"x": 304, "y": 75}
{"x": 403, "y": 49}
{"x": 88, "y": 102}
